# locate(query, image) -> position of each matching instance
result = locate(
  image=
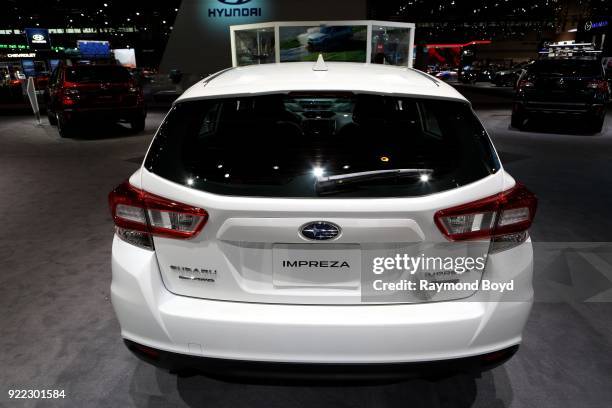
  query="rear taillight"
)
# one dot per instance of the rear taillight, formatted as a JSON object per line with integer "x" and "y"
{"x": 70, "y": 96}
{"x": 134, "y": 89}
{"x": 598, "y": 85}
{"x": 524, "y": 84}
{"x": 138, "y": 92}
{"x": 139, "y": 215}
{"x": 504, "y": 217}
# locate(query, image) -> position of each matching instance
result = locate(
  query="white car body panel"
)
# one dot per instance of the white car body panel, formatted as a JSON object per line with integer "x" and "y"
{"x": 340, "y": 76}
{"x": 149, "y": 314}
{"x": 245, "y": 315}
{"x": 239, "y": 237}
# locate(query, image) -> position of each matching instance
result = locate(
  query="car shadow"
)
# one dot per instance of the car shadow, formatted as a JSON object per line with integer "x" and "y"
{"x": 102, "y": 130}
{"x": 559, "y": 125}
{"x": 457, "y": 391}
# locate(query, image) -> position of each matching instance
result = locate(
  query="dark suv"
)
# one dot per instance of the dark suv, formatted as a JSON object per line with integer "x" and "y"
{"x": 509, "y": 77}
{"x": 562, "y": 86}
{"x": 93, "y": 92}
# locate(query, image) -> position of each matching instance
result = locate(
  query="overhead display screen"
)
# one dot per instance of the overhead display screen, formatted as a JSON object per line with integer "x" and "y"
{"x": 336, "y": 43}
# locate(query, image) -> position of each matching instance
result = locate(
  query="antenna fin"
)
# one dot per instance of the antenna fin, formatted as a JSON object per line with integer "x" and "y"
{"x": 320, "y": 64}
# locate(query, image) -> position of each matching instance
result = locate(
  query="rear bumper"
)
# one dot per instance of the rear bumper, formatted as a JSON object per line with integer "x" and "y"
{"x": 560, "y": 107}
{"x": 241, "y": 369}
{"x": 112, "y": 113}
{"x": 152, "y": 316}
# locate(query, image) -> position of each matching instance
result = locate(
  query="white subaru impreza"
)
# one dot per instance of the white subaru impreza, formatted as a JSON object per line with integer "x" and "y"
{"x": 322, "y": 218}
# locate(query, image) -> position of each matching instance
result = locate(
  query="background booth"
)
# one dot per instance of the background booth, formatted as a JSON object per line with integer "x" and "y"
{"x": 366, "y": 41}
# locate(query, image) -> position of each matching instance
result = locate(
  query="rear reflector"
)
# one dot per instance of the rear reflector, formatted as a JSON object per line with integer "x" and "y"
{"x": 138, "y": 215}
{"x": 144, "y": 350}
{"x": 138, "y": 238}
{"x": 523, "y": 83}
{"x": 509, "y": 213}
{"x": 600, "y": 85}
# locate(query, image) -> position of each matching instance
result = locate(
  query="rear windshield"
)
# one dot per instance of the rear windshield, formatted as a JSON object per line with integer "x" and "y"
{"x": 281, "y": 145}
{"x": 566, "y": 68}
{"x": 97, "y": 73}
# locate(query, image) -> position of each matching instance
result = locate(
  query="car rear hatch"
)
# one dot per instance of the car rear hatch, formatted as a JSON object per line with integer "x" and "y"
{"x": 254, "y": 164}
{"x": 254, "y": 250}
{"x": 563, "y": 81}
{"x": 102, "y": 86}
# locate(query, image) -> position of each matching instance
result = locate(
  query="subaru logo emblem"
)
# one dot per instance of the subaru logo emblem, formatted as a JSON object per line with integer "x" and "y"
{"x": 234, "y": 2}
{"x": 320, "y": 231}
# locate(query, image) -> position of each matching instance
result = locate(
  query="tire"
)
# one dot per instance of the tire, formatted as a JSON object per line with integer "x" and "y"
{"x": 52, "y": 118}
{"x": 517, "y": 121}
{"x": 595, "y": 125}
{"x": 64, "y": 127}
{"x": 138, "y": 124}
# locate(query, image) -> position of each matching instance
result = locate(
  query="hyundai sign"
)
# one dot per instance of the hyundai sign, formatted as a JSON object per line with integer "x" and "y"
{"x": 233, "y": 8}
{"x": 38, "y": 38}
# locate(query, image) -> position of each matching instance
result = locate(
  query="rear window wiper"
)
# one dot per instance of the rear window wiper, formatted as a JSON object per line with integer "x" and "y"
{"x": 339, "y": 182}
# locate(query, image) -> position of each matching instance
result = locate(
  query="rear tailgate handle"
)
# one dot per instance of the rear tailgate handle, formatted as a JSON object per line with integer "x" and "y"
{"x": 353, "y": 230}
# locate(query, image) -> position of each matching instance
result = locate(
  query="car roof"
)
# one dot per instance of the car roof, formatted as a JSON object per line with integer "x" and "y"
{"x": 339, "y": 76}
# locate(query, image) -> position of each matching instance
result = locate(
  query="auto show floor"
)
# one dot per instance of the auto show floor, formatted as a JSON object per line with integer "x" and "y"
{"x": 58, "y": 330}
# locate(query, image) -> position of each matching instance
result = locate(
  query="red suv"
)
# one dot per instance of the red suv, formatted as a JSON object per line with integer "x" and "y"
{"x": 93, "y": 92}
